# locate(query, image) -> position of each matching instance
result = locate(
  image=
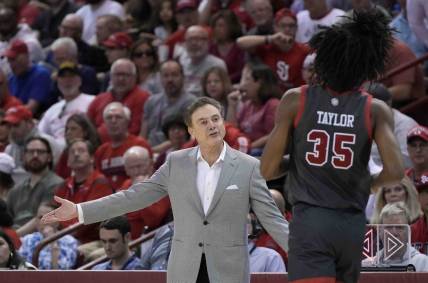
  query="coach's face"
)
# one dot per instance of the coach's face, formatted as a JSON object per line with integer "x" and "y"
{"x": 207, "y": 126}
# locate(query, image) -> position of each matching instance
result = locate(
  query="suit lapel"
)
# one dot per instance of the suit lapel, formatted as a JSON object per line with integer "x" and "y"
{"x": 229, "y": 168}
{"x": 193, "y": 179}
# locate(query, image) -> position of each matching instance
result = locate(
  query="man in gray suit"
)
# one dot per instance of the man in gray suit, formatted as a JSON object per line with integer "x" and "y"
{"x": 212, "y": 188}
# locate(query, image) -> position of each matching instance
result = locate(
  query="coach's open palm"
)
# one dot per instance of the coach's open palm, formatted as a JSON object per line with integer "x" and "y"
{"x": 67, "y": 211}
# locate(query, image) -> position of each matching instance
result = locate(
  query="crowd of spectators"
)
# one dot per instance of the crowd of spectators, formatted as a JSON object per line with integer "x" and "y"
{"x": 92, "y": 96}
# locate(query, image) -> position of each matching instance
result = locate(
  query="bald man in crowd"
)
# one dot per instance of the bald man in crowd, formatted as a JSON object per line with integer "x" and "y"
{"x": 139, "y": 167}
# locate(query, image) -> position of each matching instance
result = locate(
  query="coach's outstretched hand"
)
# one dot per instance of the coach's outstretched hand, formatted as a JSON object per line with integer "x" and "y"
{"x": 67, "y": 211}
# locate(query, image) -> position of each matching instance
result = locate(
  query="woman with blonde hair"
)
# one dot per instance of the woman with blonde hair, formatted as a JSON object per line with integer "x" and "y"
{"x": 404, "y": 191}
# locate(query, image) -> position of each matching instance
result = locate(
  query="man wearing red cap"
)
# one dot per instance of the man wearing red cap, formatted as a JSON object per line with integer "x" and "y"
{"x": 30, "y": 83}
{"x": 417, "y": 146}
{"x": 280, "y": 51}
{"x": 117, "y": 46}
{"x": 187, "y": 15}
{"x": 22, "y": 128}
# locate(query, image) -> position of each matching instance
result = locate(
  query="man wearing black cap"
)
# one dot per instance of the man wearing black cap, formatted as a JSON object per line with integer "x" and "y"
{"x": 54, "y": 119}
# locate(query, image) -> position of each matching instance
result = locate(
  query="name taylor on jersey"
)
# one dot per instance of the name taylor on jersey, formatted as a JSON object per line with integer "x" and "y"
{"x": 335, "y": 119}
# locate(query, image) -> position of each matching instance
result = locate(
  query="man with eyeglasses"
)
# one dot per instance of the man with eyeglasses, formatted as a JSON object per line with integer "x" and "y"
{"x": 123, "y": 89}
{"x": 25, "y": 198}
{"x": 417, "y": 146}
{"x": 279, "y": 50}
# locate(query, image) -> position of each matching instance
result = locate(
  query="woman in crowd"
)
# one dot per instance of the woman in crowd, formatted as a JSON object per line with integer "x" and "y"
{"x": 404, "y": 191}
{"x": 216, "y": 84}
{"x": 163, "y": 20}
{"x": 9, "y": 258}
{"x": 226, "y": 29}
{"x": 252, "y": 108}
{"x": 78, "y": 126}
{"x": 144, "y": 55}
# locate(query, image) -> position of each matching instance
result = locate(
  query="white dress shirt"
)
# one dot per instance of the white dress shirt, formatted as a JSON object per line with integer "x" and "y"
{"x": 207, "y": 178}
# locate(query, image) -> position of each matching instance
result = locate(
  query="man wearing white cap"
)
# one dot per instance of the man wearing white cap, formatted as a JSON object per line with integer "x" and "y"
{"x": 6, "y": 168}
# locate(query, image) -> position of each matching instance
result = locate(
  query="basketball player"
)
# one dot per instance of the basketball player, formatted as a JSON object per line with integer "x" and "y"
{"x": 328, "y": 129}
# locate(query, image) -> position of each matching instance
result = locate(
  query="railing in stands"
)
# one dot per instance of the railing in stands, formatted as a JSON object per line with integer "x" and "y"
{"x": 48, "y": 240}
{"x": 404, "y": 67}
{"x": 143, "y": 238}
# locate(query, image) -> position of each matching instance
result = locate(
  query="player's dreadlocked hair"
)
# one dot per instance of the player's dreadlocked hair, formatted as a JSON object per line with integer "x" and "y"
{"x": 352, "y": 52}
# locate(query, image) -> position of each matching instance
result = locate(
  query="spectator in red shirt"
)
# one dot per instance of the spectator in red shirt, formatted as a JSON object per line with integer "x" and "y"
{"x": 279, "y": 50}
{"x": 226, "y": 29}
{"x": 139, "y": 167}
{"x": 264, "y": 239}
{"x": 420, "y": 227}
{"x": 109, "y": 156}
{"x": 408, "y": 85}
{"x": 85, "y": 184}
{"x": 187, "y": 15}
{"x": 124, "y": 89}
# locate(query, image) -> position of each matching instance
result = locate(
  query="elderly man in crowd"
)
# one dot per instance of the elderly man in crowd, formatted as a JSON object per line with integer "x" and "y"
{"x": 54, "y": 120}
{"x": 124, "y": 89}
{"x": 139, "y": 167}
{"x": 109, "y": 156}
{"x": 196, "y": 60}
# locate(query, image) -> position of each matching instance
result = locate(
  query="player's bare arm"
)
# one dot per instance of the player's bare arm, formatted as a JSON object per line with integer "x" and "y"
{"x": 280, "y": 136}
{"x": 383, "y": 124}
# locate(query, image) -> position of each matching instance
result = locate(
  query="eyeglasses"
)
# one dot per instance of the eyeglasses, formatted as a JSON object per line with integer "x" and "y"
{"x": 143, "y": 54}
{"x": 37, "y": 151}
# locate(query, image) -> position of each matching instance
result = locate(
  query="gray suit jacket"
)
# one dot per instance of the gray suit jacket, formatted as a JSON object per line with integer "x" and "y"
{"x": 222, "y": 233}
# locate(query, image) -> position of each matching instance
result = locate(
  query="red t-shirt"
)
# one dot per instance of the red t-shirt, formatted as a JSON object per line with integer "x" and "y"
{"x": 62, "y": 168}
{"x": 401, "y": 54}
{"x": 134, "y": 100}
{"x": 109, "y": 160}
{"x": 151, "y": 216}
{"x": 287, "y": 66}
{"x": 96, "y": 186}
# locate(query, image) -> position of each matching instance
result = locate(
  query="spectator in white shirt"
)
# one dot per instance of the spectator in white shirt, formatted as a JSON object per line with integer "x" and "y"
{"x": 54, "y": 120}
